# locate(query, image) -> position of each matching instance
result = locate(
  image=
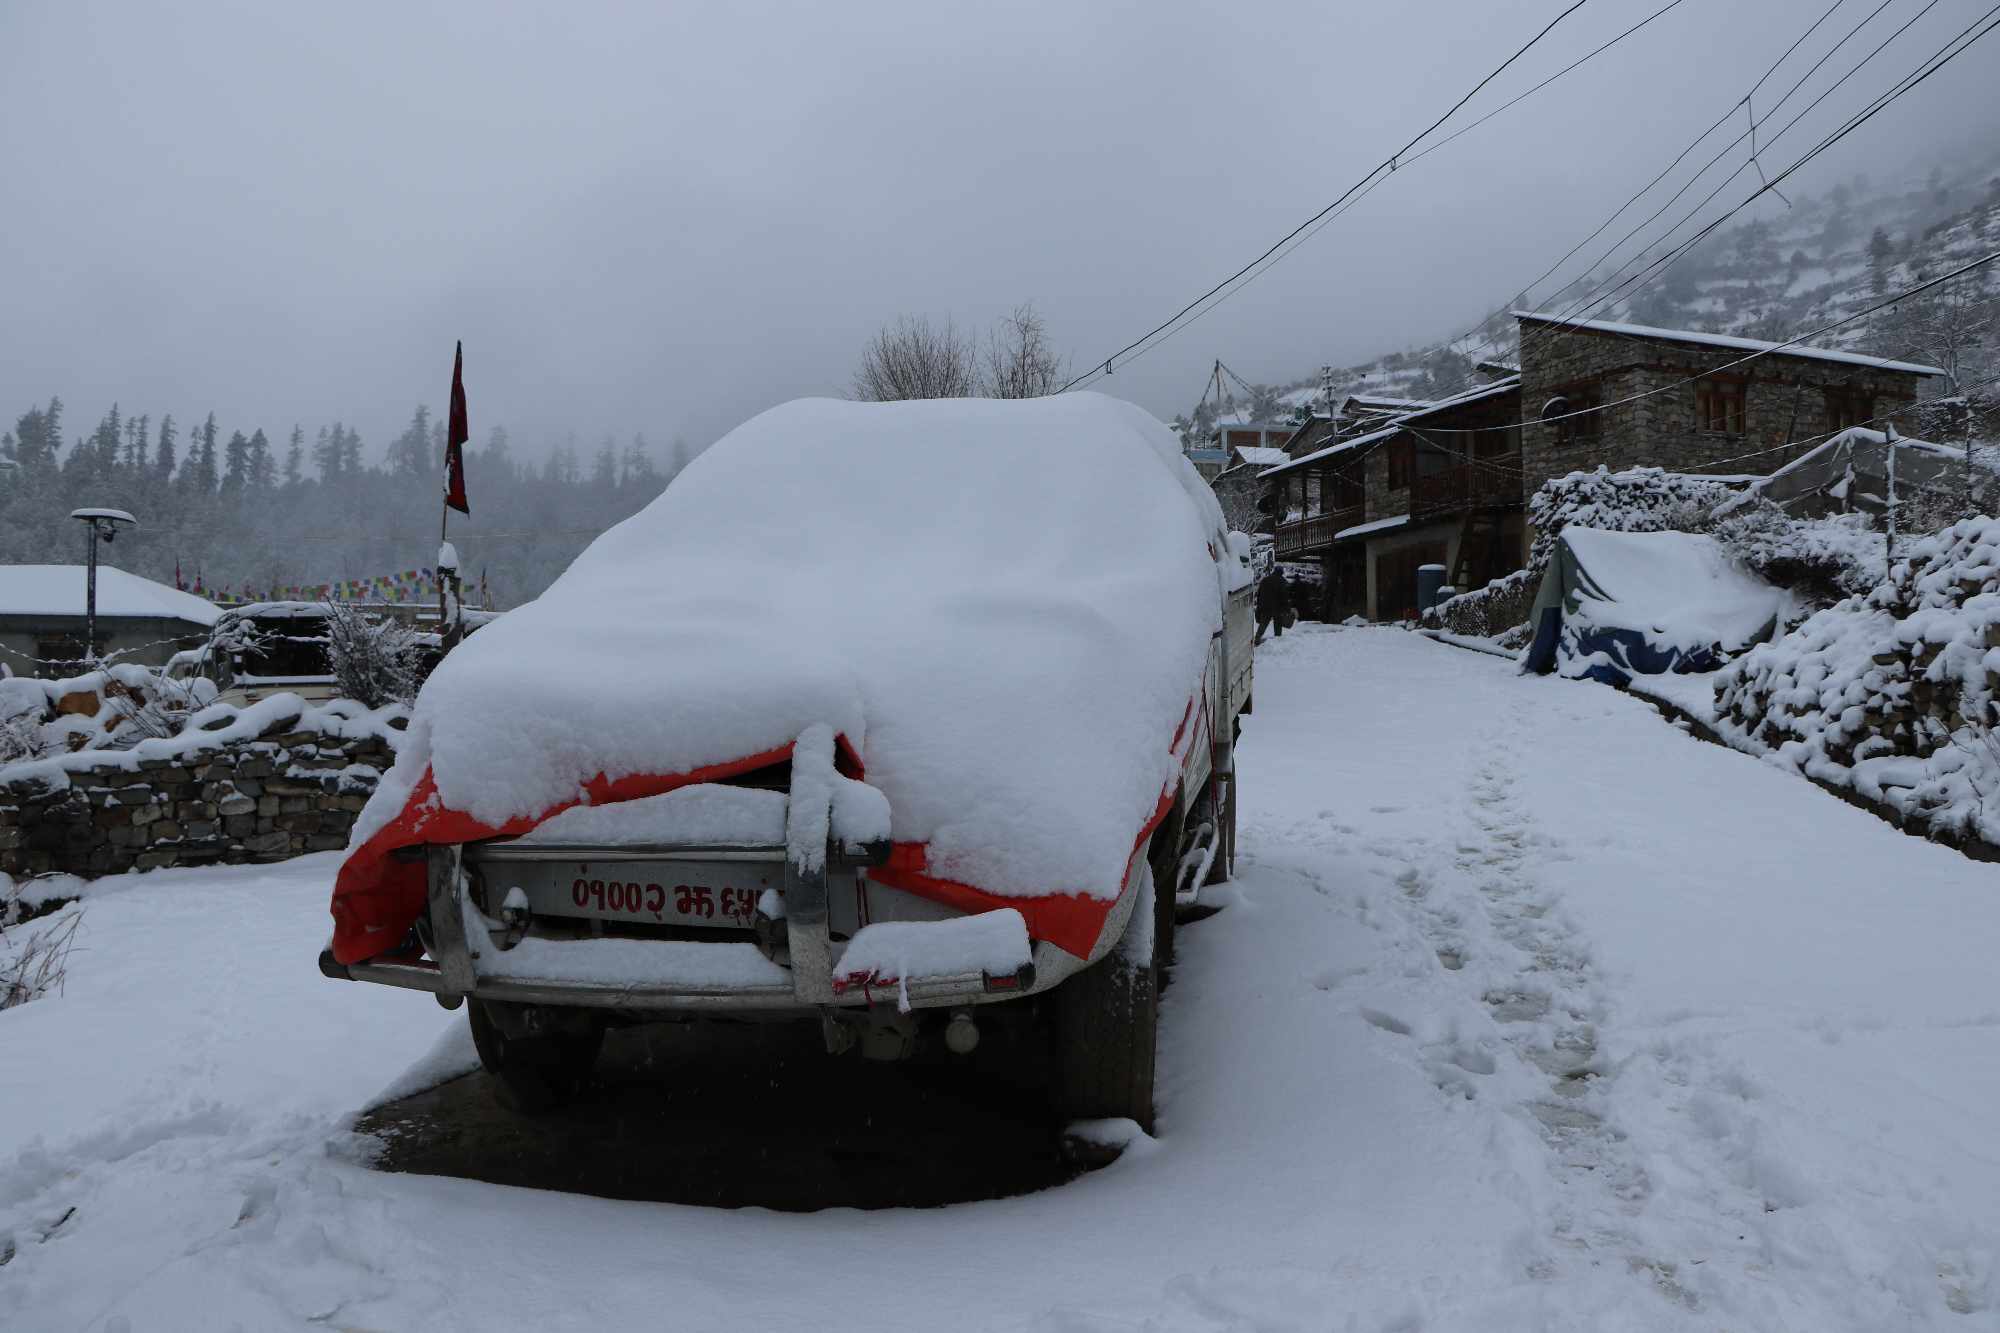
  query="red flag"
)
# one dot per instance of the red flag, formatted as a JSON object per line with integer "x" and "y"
{"x": 456, "y": 434}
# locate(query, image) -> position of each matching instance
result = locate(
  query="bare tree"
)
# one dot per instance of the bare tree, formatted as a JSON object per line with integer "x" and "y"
{"x": 1019, "y": 362}
{"x": 914, "y": 358}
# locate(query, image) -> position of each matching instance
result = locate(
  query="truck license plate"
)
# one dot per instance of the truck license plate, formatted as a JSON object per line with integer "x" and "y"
{"x": 719, "y": 894}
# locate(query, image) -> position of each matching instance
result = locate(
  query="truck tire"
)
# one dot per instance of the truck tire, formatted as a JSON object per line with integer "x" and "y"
{"x": 1106, "y": 1023}
{"x": 537, "y": 1071}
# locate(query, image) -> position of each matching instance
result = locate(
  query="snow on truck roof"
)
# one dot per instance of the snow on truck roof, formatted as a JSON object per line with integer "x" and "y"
{"x": 1004, "y": 607}
{"x": 1731, "y": 342}
{"x": 58, "y": 590}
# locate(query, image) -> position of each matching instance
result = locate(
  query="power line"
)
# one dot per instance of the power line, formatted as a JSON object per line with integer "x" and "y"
{"x": 1927, "y": 67}
{"x": 1641, "y": 193}
{"x": 1595, "y": 295}
{"x": 1387, "y": 165}
{"x": 1770, "y": 350}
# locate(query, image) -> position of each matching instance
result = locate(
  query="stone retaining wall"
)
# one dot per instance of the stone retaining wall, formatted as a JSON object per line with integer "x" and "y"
{"x": 295, "y": 787}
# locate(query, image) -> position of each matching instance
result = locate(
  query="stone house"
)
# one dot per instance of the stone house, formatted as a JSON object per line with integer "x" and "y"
{"x": 1751, "y": 420}
{"x": 42, "y": 618}
{"x": 1386, "y": 486}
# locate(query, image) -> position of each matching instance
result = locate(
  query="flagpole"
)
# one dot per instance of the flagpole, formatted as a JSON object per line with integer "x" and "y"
{"x": 451, "y": 611}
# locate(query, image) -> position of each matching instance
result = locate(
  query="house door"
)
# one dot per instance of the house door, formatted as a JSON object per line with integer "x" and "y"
{"x": 1396, "y": 578}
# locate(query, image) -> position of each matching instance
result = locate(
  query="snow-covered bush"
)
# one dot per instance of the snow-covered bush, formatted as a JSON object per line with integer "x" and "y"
{"x": 376, "y": 660}
{"x": 38, "y": 926}
{"x": 1891, "y": 693}
{"x": 1821, "y": 560}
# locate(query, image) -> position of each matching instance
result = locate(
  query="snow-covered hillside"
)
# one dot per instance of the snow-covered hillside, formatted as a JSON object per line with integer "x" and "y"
{"x": 1779, "y": 271}
{"x": 1525, "y": 1012}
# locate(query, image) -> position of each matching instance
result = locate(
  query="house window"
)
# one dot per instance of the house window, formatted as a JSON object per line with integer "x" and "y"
{"x": 1848, "y": 407}
{"x": 1402, "y": 463}
{"x": 1718, "y": 407}
{"x": 1313, "y": 494}
{"x": 1572, "y": 429}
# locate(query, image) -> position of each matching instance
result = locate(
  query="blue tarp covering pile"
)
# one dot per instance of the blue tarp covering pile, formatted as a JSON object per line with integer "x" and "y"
{"x": 1613, "y": 605}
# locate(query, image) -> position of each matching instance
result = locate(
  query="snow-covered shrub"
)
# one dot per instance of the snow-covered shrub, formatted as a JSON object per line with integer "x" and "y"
{"x": 38, "y": 926}
{"x": 376, "y": 660}
{"x": 1640, "y": 499}
{"x": 1891, "y": 693}
{"x": 1821, "y": 560}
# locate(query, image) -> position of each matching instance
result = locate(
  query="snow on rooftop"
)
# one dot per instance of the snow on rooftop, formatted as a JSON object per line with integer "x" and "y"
{"x": 1010, "y": 658}
{"x": 1731, "y": 342}
{"x": 58, "y": 590}
{"x": 1358, "y": 442}
{"x": 1497, "y": 387}
{"x": 1258, "y": 455}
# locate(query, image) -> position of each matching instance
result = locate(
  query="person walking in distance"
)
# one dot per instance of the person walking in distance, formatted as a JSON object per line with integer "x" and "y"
{"x": 1274, "y": 604}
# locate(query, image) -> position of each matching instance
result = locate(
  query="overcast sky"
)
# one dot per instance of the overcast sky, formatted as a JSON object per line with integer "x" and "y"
{"x": 667, "y": 216}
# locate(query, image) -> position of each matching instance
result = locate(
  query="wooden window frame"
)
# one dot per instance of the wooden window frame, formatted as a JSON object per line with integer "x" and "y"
{"x": 1721, "y": 407}
{"x": 1579, "y": 429}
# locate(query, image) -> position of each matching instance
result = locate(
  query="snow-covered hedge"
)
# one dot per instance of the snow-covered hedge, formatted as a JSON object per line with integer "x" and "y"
{"x": 1821, "y": 560}
{"x": 1891, "y": 694}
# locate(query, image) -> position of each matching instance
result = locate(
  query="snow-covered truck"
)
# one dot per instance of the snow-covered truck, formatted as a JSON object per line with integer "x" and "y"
{"x": 911, "y": 719}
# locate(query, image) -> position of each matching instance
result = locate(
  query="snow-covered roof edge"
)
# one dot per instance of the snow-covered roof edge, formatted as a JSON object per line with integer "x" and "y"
{"x": 1359, "y": 441}
{"x": 1731, "y": 342}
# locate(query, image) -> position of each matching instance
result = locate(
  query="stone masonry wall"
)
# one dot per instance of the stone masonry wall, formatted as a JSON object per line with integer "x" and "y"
{"x": 1660, "y": 431}
{"x": 294, "y": 787}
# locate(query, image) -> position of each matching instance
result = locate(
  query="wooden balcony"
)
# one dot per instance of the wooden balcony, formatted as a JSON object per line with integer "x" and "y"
{"x": 1309, "y": 536}
{"x": 1490, "y": 483}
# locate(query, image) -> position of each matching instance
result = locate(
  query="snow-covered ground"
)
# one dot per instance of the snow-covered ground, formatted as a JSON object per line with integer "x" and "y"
{"x": 1525, "y": 1012}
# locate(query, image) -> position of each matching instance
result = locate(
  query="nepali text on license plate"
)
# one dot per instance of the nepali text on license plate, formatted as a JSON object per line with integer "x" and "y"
{"x": 673, "y": 898}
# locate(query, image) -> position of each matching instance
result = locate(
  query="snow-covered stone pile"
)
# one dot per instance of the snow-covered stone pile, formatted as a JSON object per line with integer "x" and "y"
{"x": 1891, "y": 694}
{"x": 1640, "y": 499}
{"x": 266, "y": 782}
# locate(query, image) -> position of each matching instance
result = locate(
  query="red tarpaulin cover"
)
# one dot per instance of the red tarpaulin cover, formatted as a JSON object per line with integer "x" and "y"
{"x": 377, "y": 899}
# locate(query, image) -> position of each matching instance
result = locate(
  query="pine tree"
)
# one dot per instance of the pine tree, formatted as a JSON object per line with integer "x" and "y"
{"x": 640, "y": 474}
{"x": 261, "y": 471}
{"x": 295, "y": 457}
{"x": 604, "y": 468}
{"x": 236, "y": 463}
{"x": 199, "y": 473}
{"x": 163, "y": 457}
{"x": 410, "y": 452}
{"x": 326, "y": 454}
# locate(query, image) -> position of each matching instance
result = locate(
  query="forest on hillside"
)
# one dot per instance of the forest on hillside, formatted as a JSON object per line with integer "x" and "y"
{"x": 245, "y": 513}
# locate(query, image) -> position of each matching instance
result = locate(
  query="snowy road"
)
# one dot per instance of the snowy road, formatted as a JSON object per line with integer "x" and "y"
{"x": 1525, "y": 1012}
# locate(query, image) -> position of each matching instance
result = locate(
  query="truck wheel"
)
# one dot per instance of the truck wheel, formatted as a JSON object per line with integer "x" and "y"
{"x": 1106, "y": 1022}
{"x": 537, "y": 1071}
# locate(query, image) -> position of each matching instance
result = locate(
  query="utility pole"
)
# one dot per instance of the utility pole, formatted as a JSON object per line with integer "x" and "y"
{"x": 1889, "y": 515}
{"x": 101, "y": 523}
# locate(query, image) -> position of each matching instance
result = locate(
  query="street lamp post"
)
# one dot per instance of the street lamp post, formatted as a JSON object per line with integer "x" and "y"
{"x": 101, "y": 523}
